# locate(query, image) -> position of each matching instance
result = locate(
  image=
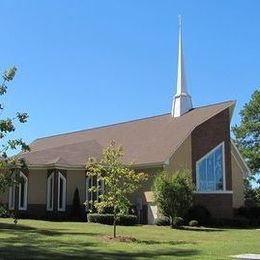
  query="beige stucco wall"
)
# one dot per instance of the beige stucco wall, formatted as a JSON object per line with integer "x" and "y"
{"x": 181, "y": 159}
{"x": 37, "y": 186}
{"x": 237, "y": 183}
{"x": 145, "y": 186}
{"x": 76, "y": 179}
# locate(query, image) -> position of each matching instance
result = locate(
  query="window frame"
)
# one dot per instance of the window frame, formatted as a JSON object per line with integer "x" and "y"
{"x": 64, "y": 191}
{"x": 22, "y": 175}
{"x": 91, "y": 193}
{"x": 11, "y": 196}
{"x": 50, "y": 177}
{"x": 224, "y": 190}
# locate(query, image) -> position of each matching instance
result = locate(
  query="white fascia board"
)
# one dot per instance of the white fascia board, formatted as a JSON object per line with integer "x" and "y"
{"x": 240, "y": 157}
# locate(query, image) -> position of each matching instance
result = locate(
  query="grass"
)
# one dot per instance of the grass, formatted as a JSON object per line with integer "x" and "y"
{"x": 35, "y": 239}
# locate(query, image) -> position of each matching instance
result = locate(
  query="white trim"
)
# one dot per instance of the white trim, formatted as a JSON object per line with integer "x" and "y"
{"x": 25, "y": 192}
{"x": 90, "y": 194}
{"x": 241, "y": 158}
{"x": 82, "y": 167}
{"x": 222, "y": 144}
{"x": 50, "y": 177}
{"x": 224, "y": 167}
{"x": 239, "y": 165}
{"x": 100, "y": 188}
{"x": 11, "y": 198}
{"x": 87, "y": 199}
{"x": 61, "y": 177}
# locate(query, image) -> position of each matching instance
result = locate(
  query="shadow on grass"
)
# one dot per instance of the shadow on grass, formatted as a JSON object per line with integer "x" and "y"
{"x": 201, "y": 229}
{"x": 173, "y": 243}
{"x": 25, "y": 242}
{"x": 32, "y": 252}
{"x": 47, "y": 232}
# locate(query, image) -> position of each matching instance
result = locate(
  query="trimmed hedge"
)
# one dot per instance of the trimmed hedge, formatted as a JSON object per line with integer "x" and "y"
{"x": 177, "y": 222}
{"x": 163, "y": 221}
{"x": 193, "y": 223}
{"x": 108, "y": 219}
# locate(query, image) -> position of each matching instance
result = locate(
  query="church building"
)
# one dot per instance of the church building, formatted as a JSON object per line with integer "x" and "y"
{"x": 188, "y": 137}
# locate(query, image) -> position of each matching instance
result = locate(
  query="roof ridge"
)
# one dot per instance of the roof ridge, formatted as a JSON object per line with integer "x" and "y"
{"x": 219, "y": 103}
{"x": 124, "y": 122}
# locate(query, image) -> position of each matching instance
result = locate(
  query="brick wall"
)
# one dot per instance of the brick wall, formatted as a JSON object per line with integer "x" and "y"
{"x": 204, "y": 138}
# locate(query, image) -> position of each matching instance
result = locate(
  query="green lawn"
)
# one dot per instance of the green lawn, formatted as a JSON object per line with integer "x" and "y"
{"x": 34, "y": 239}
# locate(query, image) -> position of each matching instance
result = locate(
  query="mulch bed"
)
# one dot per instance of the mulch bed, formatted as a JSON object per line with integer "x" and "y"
{"x": 118, "y": 238}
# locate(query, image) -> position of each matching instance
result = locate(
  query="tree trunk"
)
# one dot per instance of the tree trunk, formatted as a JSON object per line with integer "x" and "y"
{"x": 114, "y": 223}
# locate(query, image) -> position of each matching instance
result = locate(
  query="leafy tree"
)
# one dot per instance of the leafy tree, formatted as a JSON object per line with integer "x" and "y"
{"x": 8, "y": 165}
{"x": 247, "y": 134}
{"x": 252, "y": 195}
{"x": 174, "y": 194}
{"x": 120, "y": 181}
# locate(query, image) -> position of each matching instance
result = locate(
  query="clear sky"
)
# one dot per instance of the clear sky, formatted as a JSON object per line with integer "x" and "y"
{"x": 83, "y": 64}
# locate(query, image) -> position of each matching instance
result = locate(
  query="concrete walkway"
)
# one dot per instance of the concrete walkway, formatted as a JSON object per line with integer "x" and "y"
{"x": 247, "y": 256}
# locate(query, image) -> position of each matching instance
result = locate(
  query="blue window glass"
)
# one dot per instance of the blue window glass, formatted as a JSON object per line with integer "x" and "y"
{"x": 210, "y": 170}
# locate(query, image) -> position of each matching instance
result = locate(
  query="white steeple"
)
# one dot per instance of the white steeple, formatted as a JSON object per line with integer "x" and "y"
{"x": 182, "y": 100}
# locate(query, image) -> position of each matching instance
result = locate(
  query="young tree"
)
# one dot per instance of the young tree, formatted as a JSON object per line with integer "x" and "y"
{"x": 174, "y": 193}
{"x": 120, "y": 181}
{"x": 247, "y": 134}
{"x": 8, "y": 165}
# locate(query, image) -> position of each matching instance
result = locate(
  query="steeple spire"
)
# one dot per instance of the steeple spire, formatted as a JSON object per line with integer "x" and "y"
{"x": 182, "y": 100}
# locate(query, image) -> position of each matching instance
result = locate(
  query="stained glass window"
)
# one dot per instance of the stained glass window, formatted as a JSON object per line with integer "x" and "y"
{"x": 210, "y": 170}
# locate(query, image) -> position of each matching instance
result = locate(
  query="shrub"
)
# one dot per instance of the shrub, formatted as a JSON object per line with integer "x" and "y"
{"x": 127, "y": 220}
{"x": 193, "y": 223}
{"x": 249, "y": 212}
{"x": 3, "y": 212}
{"x": 200, "y": 213}
{"x": 174, "y": 193}
{"x": 177, "y": 222}
{"x": 163, "y": 221}
{"x": 108, "y": 219}
{"x": 233, "y": 222}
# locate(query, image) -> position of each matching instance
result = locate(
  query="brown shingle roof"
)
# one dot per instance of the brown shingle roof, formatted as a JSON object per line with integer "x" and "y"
{"x": 146, "y": 141}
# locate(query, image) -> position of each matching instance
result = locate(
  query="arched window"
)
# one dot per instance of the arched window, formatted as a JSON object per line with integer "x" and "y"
{"x": 100, "y": 188}
{"x": 50, "y": 192}
{"x": 61, "y": 192}
{"x": 23, "y": 186}
{"x": 11, "y": 201}
{"x": 93, "y": 195}
{"x": 210, "y": 171}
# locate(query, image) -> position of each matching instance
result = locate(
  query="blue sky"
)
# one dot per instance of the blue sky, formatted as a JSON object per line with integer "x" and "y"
{"x": 83, "y": 64}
